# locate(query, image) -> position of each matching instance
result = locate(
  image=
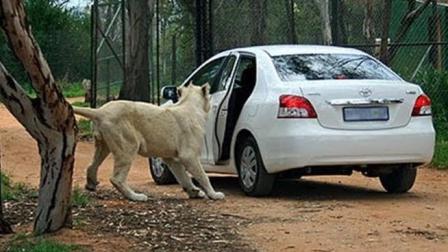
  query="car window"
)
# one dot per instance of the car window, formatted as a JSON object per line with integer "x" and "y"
{"x": 330, "y": 67}
{"x": 246, "y": 63}
{"x": 208, "y": 74}
{"x": 226, "y": 74}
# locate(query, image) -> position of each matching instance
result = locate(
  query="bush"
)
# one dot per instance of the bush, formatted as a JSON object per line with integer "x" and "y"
{"x": 85, "y": 130}
{"x": 79, "y": 198}
{"x": 435, "y": 85}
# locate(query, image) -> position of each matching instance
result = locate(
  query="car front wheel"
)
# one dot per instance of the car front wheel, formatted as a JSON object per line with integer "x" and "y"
{"x": 253, "y": 178}
{"x": 160, "y": 172}
{"x": 400, "y": 180}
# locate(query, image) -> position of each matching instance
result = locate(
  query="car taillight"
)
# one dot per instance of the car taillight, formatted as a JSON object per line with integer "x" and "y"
{"x": 293, "y": 106}
{"x": 422, "y": 106}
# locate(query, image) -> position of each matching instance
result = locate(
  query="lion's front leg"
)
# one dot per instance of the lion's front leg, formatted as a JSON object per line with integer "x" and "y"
{"x": 184, "y": 179}
{"x": 194, "y": 167}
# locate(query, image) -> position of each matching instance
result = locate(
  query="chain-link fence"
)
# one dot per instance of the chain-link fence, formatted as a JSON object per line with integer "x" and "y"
{"x": 107, "y": 50}
{"x": 186, "y": 32}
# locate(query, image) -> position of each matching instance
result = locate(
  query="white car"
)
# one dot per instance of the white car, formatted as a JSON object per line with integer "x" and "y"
{"x": 298, "y": 110}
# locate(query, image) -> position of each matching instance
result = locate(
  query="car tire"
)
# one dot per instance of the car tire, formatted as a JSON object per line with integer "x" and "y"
{"x": 400, "y": 180}
{"x": 160, "y": 172}
{"x": 256, "y": 182}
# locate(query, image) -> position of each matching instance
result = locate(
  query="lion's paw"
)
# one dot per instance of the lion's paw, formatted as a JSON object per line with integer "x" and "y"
{"x": 217, "y": 196}
{"x": 139, "y": 197}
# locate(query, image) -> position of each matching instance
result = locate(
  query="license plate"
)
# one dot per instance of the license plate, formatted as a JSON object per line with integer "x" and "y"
{"x": 359, "y": 114}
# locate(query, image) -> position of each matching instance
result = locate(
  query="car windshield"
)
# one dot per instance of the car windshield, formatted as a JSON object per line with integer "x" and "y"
{"x": 330, "y": 67}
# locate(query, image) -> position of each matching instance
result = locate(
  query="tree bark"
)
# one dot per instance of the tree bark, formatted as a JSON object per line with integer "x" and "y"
{"x": 384, "y": 52}
{"x": 324, "y": 6}
{"x": 136, "y": 86}
{"x": 48, "y": 118}
{"x": 368, "y": 28}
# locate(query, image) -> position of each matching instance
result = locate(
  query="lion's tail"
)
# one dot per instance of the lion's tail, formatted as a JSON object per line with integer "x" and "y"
{"x": 87, "y": 112}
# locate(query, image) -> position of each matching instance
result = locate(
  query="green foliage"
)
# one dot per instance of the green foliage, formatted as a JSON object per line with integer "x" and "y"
{"x": 84, "y": 127}
{"x": 14, "y": 191}
{"x": 26, "y": 243}
{"x": 74, "y": 89}
{"x": 80, "y": 198}
{"x": 435, "y": 85}
{"x": 80, "y": 104}
{"x": 63, "y": 35}
{"x": 440, "y": 159}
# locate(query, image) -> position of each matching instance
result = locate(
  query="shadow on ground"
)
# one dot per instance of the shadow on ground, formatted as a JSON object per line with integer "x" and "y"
{"x": 307, "y": 189}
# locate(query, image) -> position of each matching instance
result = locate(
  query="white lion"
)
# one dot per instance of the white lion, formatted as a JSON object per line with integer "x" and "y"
{"x": 175, "y": 133}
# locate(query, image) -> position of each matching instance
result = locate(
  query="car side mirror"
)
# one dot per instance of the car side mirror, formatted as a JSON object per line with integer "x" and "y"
{"x": 170, "y": 93}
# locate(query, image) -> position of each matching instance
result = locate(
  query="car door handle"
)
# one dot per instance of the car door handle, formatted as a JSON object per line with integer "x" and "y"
{"x": 344, "y": 102}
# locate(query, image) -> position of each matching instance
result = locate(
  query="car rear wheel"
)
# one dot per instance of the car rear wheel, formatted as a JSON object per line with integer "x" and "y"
{"x": 160, "y": 172}
{"x": 253, "y": 178}
{"x": 399, "y": 180}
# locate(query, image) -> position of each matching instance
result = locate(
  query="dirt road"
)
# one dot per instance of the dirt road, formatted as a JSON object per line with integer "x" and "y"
{"x": 312, "y": 214}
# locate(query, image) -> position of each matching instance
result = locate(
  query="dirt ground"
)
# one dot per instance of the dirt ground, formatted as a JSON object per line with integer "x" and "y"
{"x": 312, "y": 214}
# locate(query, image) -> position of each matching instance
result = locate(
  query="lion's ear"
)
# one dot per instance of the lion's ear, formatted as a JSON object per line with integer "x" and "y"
{"x": 205, "y": 89}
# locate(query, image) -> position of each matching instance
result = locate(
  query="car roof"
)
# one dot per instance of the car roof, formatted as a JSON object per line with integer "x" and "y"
{"x": 276, "y": 50}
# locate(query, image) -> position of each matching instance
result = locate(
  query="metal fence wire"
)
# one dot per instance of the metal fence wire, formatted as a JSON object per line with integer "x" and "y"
{"x": 187, "y": 32}
{"x": 107, "y": 50}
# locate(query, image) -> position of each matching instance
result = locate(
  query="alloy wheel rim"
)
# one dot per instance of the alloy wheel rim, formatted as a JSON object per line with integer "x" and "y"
{"x": 157, "y": 167}
{"x": 248, "y": 167}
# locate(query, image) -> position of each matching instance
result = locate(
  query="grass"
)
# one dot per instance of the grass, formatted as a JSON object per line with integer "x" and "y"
{"x": 26, "y": 243}
{"x": 80, "y": 104}
{"x": 440, "y": 160}
{"x": 79, "y": 198}
{"x": 85, "y": 130}
{"x": 69, "y": 89}
{"x": 15, "y": 191}
{"x": 72, "y": 89}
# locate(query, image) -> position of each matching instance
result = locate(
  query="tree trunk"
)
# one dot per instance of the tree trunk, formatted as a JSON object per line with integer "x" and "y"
{"x": 289, "y": 7}
{"x": 368, "y": 27}
{"x": 384, "y": 52}
{"x": 324, "y": 6}
{"x": 48, "y": 118}
{"x": 258, "y": 14}
{"x": 136, "y": 86}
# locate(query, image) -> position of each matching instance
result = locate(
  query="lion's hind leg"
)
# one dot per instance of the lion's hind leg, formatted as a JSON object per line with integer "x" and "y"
{"x": 101, "y": 152}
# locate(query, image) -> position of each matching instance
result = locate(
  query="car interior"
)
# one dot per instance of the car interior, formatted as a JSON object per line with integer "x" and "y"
{"x": 244, "y": 83}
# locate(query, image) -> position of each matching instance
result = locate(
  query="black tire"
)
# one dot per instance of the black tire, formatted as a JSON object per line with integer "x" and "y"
{"x": 263, "y": 183}
{"x": 165, "y": 177}
{"x": 400, "y": 180}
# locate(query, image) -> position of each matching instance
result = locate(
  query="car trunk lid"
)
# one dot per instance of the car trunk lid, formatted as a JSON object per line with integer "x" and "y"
{"x": 361, "y": 104}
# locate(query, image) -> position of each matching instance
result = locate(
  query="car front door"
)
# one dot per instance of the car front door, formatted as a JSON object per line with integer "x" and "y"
{"x": 211, "y": 73}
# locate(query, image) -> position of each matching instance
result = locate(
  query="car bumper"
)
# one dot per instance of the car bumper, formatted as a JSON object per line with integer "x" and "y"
{"x": 299, "y": 143}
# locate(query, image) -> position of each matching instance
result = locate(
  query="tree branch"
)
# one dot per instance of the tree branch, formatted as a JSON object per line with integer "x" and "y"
{"x": 25, "y": 48}
{"x": 18, "y": 102}
{"x": 406, "y": 24}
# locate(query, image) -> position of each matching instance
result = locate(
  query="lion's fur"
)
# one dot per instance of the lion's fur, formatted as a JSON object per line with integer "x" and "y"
{"x": 175, "y": 133}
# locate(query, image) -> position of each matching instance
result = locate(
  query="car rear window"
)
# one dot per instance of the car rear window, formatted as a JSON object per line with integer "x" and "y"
{"x": 330, "y": 67}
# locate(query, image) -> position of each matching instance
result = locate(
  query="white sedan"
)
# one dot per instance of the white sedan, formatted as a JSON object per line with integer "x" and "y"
{"x": 292, "y": 111}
